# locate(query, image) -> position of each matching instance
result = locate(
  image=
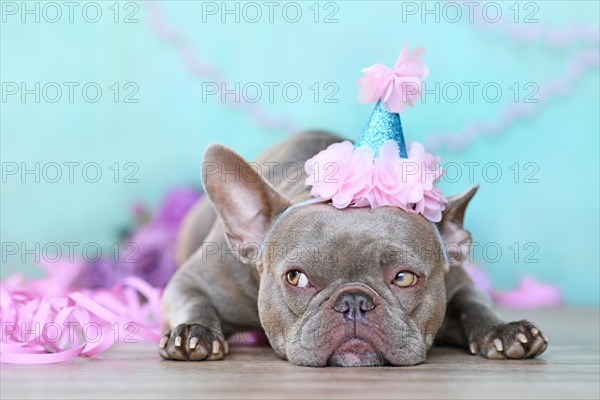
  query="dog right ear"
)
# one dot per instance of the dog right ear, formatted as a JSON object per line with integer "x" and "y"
{"x": 457, "y": 240}
{"x": 246, "y": 203}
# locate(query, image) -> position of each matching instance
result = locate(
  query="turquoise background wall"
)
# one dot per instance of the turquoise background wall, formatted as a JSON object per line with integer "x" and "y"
{"x": 550, "y": 209}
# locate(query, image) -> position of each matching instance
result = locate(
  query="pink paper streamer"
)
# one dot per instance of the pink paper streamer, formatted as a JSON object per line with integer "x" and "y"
{"x": 40, "y": 329}
{"x": 248, "y": 338}
{"x": 529, "y": 293}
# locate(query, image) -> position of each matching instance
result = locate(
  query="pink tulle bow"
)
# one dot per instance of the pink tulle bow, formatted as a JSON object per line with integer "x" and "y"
{"x": 398, "y": 87}
{"x": 353, "y": 177}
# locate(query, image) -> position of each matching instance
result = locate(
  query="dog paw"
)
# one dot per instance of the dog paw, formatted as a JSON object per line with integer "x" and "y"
{"x": 515, "y": 340}
{"x": 192, "y": 342}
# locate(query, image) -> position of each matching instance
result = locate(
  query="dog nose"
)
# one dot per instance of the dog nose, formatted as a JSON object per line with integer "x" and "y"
{"x": 354, "y": 304}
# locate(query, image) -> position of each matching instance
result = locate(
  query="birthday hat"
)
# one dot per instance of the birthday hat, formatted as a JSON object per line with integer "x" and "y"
{"x": 374, "y": 171}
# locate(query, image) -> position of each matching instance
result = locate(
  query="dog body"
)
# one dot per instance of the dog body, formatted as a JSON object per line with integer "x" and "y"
{"x": 352, "y": 287}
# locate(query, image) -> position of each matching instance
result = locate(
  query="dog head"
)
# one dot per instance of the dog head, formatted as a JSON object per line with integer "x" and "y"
{"x": 352, "y": 287}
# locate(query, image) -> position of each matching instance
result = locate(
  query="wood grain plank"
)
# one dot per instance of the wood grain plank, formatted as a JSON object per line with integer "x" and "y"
{"x": 569, "y": 369}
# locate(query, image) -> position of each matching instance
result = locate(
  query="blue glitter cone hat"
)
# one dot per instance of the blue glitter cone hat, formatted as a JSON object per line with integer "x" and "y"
{"x": 382, "y": 126}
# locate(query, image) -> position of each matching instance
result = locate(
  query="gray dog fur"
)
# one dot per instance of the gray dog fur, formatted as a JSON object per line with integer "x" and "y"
{"x": 237, "y": 246}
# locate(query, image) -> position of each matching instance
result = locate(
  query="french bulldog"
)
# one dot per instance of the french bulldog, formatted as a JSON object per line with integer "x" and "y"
{"x": 329, "y": 287}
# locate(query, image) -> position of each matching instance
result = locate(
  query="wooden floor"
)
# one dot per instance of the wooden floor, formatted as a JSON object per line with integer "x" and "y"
{"x": 568, "y": 369}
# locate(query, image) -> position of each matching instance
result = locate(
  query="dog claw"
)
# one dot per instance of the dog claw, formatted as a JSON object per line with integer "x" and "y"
{"x": 163, "y": 342}
{"x": 473, "y": 347}
{"x": 216, "y": 347}
{"x": 498, "y": 345}
{"x": 191, "y": 342}
{"x": 522, "y": 338}
{"x": 544, "y": 337}
{"x": 226, "y": 347}
{"x": 535, "y": 332}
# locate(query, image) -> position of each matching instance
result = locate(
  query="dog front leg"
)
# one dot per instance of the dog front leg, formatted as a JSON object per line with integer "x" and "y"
{"x": 472, "y": 322}
{"x": 193, "y": 329}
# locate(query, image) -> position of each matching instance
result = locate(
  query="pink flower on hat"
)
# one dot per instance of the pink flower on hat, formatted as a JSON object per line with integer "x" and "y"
{"x": 340, "y": 173}
{"x": 352, "y": 177}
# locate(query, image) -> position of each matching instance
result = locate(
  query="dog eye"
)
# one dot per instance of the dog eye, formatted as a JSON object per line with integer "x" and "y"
{"x": 297, "y": 279}
{"x": 405, "y": 279}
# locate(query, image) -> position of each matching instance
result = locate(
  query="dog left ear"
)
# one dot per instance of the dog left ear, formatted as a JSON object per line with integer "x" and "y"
{"x": 456, "y": 239}
{"x": 246, "y": 203}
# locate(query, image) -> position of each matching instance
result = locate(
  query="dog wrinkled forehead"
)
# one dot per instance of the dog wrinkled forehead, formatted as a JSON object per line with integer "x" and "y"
{"x": 316, "y": 230}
